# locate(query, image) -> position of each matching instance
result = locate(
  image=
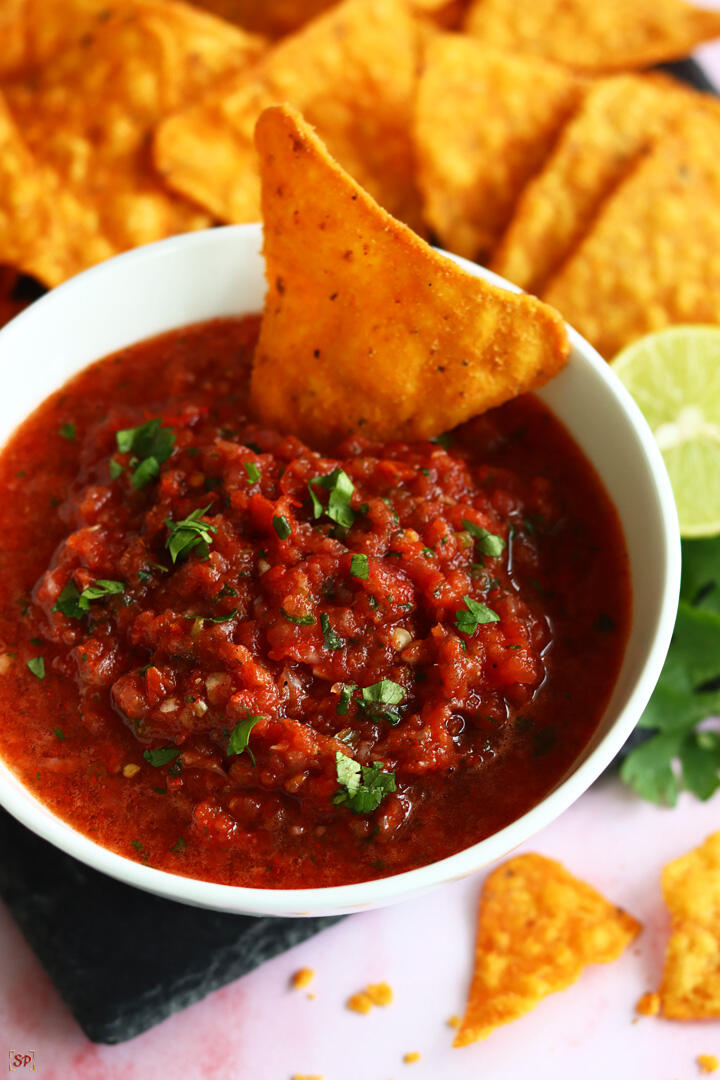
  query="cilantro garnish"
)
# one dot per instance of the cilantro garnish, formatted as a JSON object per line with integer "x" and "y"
{"x": 331, "y": 638}
{"x": 213, "y": 618}
{"x": 445, "y": 440}
{"x": 36, "y": 664}
{"x": 179, "y": 845}
{"x": 477, "y": 614}
{"x": 360, "y": 566}
{"x": 252, "y": 471}
{"x": 340, "y": 488}
{"x": 487, "y": 543}
{"x": 377, "y": 701}
{"x": 348, "y": 689}
{"x": 189, "y": 535}
{"x": 678, "y": 755}
{"x": 281, "y": 525}
{"x": 115, "y": 469}
{"x": 162, "y": 756}
{"x": 362, "y": 787}
{"x": 75, "y": 604}
{"x": 59, "y": 734}
{"x": 68, "y": 431}
{"x": 150, "y": 444}
{"x": 241, "y": 735}
{"x": 299, "y": 620}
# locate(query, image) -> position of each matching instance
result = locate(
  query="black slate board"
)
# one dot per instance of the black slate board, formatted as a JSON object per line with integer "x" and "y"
{"x": 89, "y": 930}
{"x": 121, "y": 959}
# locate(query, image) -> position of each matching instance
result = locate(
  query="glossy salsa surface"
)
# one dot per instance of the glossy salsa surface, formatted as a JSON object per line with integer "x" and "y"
{"x": 257, "y": 665}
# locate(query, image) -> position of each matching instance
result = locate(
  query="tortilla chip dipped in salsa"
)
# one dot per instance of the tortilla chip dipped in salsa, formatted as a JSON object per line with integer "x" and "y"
{"x": 366, "y": 328}
{"x": 690, "y": 987}
{"x": 538, "y": 928}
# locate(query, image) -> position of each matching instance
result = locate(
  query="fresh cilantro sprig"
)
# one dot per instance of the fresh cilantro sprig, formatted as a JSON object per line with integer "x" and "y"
{"x": 75, "y": 604}
{"x": 150, "y": 445}
{"x": 362, "y": 787}
{"x": 487, "y": 543}
{"x": 340, "y": 488}
{"x": 474, "y": 614}
{"x": 680, "y": 754}
{"x": 240, "y": 736}
{"x": 163, "y": 755}
{"x": 190, "y": 534}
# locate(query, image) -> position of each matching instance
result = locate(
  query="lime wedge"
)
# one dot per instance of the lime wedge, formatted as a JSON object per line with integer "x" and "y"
{"x": 674, "y": 376}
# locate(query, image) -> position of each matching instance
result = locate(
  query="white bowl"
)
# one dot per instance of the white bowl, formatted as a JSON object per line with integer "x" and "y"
{"x": 218, "y": 273}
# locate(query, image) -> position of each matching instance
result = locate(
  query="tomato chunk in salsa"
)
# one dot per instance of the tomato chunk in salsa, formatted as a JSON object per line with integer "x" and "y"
{"x": 231, "y": 657}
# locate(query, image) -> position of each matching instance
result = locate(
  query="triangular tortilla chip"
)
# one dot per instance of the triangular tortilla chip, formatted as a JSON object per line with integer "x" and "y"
{"x": 87, "y": 114}
{"x": 485, "y": 121}
{"x": 353, "y": 74}
{"x": 613, "y": 35}
{"x": 618, "y": 120}
{"x": 367, "y": 328}
{"x": 43, "y": 229}
{"x": 690, "y": 988}
{"x": 538, "y": 927}
{"x": 273, "y": 18}
{"x": 651, "y": 258}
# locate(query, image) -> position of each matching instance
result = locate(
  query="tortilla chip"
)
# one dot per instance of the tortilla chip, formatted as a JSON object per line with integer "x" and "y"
{"x": 42, "y": 229}
{"x": 618, "y": 120}
{"x": 652, "y": 258}
{"x": 613, "y": 35}
{"x": 690, "y": 987}
{"x": 273, "y": 18}
{"x": 366, "y": 327}
{"x": 87, "y": 115}
{"x": 538, "y": 927}
{"x": 353, "y": 74}
{"x": 471, "y": 171}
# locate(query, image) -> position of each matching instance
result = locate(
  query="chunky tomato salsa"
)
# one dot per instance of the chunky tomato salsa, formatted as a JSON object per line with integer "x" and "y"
{"x": 229, "y": 656}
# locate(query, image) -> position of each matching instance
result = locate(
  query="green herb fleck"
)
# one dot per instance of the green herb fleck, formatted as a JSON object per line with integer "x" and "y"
{"x": 37, "y": 666}
{"x": 68, "y": 431}
{"x": 252, "y": 471}
{"x": 190, "y": 534}
{"x": 299, "y": 620}
{"x": 59, "y": 734}
{"x": 477, "y": 614}
{"x": 360, "y": 566}
{"x": 115, "y": 469}
{"x": 240, "y": 736}
{"x": 281, "y": 525}
{"x": 162, "y": 756}
{"x": 488, "y": 543}
{"x": 340, "y": 488}
{"x": 179, "y": 845}
{"x": 151, "y": 444}
{"x": 331, "y": 638}
{"x": 362, "y": 787}
{"x": 346, "y": 693}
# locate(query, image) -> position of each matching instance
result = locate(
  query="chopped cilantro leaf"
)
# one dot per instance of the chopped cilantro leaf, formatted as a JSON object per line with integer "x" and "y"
{"x": 340, "y": 488}
{"x": 446, "y": 441}
{"x": 331, "y": 638}
{"x": 162, "y": 756}
{"x": 252, "y": 471}
{"x": 190, "y": 534}
{"x": 487, "y": 543}
{"x": 151, "y": 444}
{"x": 281, "y": 525}
{"x": 179, "y": 845}
{"x": 362, "y": 787}
{"x": 428, "y": 553}
{"x": 240, "y": 736}
{"x": 59, "y": 734}
{"x": 213, "y": 618}
{"x": 144, "y": 575}
{"x": 36, "y": 664}
{"x": 299, "y": 620}
{"x": 348, "y": 689}
{"x": 100, "y": 587}
{"x": 360, "y": 566}
{"x": 386, "y": 691}
{"x": 115, "y": 469}
{"x": 68, "y": 431}
{"x": 477, "y": 614}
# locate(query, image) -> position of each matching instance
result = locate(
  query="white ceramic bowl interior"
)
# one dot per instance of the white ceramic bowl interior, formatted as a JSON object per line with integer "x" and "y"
{"x": 219, "y": 273}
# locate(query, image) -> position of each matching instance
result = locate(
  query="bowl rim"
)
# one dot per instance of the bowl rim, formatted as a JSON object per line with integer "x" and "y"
{"x": 337, "y": 899}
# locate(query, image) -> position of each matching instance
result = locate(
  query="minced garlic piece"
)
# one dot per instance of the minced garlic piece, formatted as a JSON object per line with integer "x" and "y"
{"x": 130, "y": 770}
{"x": 649, "y": 1004}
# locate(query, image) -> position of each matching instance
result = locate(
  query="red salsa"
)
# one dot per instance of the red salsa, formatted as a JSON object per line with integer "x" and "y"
{"x": 231, "y": 657}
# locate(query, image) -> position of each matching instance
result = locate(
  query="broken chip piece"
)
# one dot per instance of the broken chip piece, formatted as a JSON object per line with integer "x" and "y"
{"x": 690, "y": 986}
{"x": 367, "y": 328}
{"x": 538, "y": 927}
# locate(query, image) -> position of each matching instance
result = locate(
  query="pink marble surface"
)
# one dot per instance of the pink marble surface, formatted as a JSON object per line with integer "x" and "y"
{"x": 259, "y": 1029}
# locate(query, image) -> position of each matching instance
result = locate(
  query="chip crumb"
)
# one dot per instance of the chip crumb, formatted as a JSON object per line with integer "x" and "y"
{"x": 649, "y": 1004}
{"x": 311, "y": 997}
{"x": 306, "y": 1076}
{"x": 454, "y": 1021}
{"x": 130, "y": 770}
{"x": 379, "y": 993}
{"x": 302, "y": 978}
{"x": 411, "y": 1057}
{"x": 707, "y": 1063}
{"x": 360, "y": 1002}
